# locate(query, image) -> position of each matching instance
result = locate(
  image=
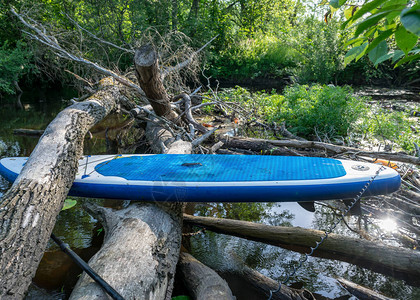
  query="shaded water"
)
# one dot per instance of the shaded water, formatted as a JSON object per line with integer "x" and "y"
{"x": 57, "y": 274}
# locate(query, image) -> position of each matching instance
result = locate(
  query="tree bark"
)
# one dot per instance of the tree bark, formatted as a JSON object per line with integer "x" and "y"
{"x": 201, "y": 281}
{"x": 29, "y": 209}
{"x": 140, "y": 248}
{"x": 376, "y": 256}
{"x": 148, "y": 74}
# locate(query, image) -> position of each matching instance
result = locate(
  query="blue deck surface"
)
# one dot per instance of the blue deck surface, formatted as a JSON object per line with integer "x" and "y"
{"x": 221, "y": 168}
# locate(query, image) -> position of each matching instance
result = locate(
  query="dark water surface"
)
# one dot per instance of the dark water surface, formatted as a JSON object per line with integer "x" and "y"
{"x": 57, "y": 274}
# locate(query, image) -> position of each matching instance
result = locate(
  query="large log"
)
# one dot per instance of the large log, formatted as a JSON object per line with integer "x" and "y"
{"x": 201, "y": 281}
{"x": 140, "y": 248}
{"x": 394, "y": 261}
{"x": 28, "y": 210}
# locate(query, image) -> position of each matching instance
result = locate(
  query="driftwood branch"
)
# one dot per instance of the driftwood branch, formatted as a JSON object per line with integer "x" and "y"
{"x": 52, "y": 43}
{"x": 185, "y": 63}
{"x": 371, "y": 255}
{"x": 246, "y": 143}
{"x": 98, "y": 39}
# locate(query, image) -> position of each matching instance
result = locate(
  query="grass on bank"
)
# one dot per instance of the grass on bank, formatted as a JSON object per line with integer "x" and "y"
{"x": 329, "y": 113}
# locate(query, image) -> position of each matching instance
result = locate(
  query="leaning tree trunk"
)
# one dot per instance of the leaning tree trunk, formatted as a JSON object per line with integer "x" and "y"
{"x": 29, "y": 209}
{"x": 142, "y": 266}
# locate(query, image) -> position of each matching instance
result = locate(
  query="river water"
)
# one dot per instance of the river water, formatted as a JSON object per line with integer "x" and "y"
{"x": 56, "y": 274}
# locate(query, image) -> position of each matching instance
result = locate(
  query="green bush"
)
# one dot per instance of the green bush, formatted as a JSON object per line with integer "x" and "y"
{"x": 318, "y": 109}
{"x": 14, "y": 64}
{"x": 264, "y": 56}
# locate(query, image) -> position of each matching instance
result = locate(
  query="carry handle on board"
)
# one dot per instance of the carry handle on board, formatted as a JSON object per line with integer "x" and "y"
{"x": 85, "y": 267}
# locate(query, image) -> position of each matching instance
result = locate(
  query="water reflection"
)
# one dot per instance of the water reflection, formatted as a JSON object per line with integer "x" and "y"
{"x": 317, "y": 275}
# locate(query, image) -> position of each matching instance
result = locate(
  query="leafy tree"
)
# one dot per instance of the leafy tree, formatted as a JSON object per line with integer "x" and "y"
{"x": 379, "y": 26}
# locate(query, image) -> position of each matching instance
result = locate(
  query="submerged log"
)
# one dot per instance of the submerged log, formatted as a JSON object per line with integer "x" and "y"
{"x": 376, "y": 256}
{"x": 266, "y": 284}
{"x": 28, "y": 210}
{"x": 140, "y": 247}
{"x": 201, "y": 281}
{"x": 361, "y": 292}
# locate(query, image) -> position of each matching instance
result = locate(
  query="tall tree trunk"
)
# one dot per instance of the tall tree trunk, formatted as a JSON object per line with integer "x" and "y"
{"x": 29, "y": 209}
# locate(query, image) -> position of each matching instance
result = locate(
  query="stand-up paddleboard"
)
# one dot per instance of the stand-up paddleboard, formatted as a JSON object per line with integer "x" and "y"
{"x": 220, "y": 178}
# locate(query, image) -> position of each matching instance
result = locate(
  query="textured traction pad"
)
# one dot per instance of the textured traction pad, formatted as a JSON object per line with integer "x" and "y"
{"x": 220, "y": 168}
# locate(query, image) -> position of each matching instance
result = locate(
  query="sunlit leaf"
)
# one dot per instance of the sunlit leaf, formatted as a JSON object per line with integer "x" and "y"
{"x": 370, "y": 21}
{"x": 405, "y": 40}
{"x": 337, "y": 3}
{"x": 355, "y": 53}
{"x": 69, "y": 203}
{"x": 410, "y": 18}
{"x": 367, "y": 8}
{"x": 378, "y": 51}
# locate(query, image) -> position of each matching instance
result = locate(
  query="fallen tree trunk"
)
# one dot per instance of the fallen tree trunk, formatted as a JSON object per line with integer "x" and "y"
{"x": 261, "y": 144}
{"x": 140, "y": 247}
{"x": 390, "y": 260}
{"x": 28, "y": 210}
{"x": 201, "y": 281}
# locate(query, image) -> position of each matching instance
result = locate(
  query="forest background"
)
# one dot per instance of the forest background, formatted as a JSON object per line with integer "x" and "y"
{"x": 277, "y": 41}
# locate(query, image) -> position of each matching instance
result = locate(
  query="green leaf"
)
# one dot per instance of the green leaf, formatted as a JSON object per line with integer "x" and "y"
{"x": 378, "y": 51}
{"x": 397, "y": 55}
{"x": 355, "y": 41}
{"x": 410, "y": 18}
{"x": 69, "y": 203}
{"x": 355, "y": 53}
{"x": 337, "y": 3}
{"x": 407, "y": 59}
{"x": 370, "y": 21}
{"x": 405, "y": 40}
{"x": 367, "y": 8}
{"x": 381, "y": 37}
{"x": 383, "y": 58}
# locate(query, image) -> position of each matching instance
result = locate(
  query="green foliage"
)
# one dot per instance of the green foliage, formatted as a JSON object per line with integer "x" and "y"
{"x": 319, "y": 109}
{"x": 319, "y": 47}
{"x": 69, "y": 203}
{"x": 262, "y": 56}
{"x": 378, "y": 24}
{"x": 14, "y": 64}
{"x": 390, "y": 127}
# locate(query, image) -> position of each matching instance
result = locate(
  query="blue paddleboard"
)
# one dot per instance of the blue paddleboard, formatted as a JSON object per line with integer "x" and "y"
{"x": 220, "y": 178}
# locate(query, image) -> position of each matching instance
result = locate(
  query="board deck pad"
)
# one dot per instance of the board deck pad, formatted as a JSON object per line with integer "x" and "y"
{"x": 220, "y": 178}
{"x": 220, "y": 168}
